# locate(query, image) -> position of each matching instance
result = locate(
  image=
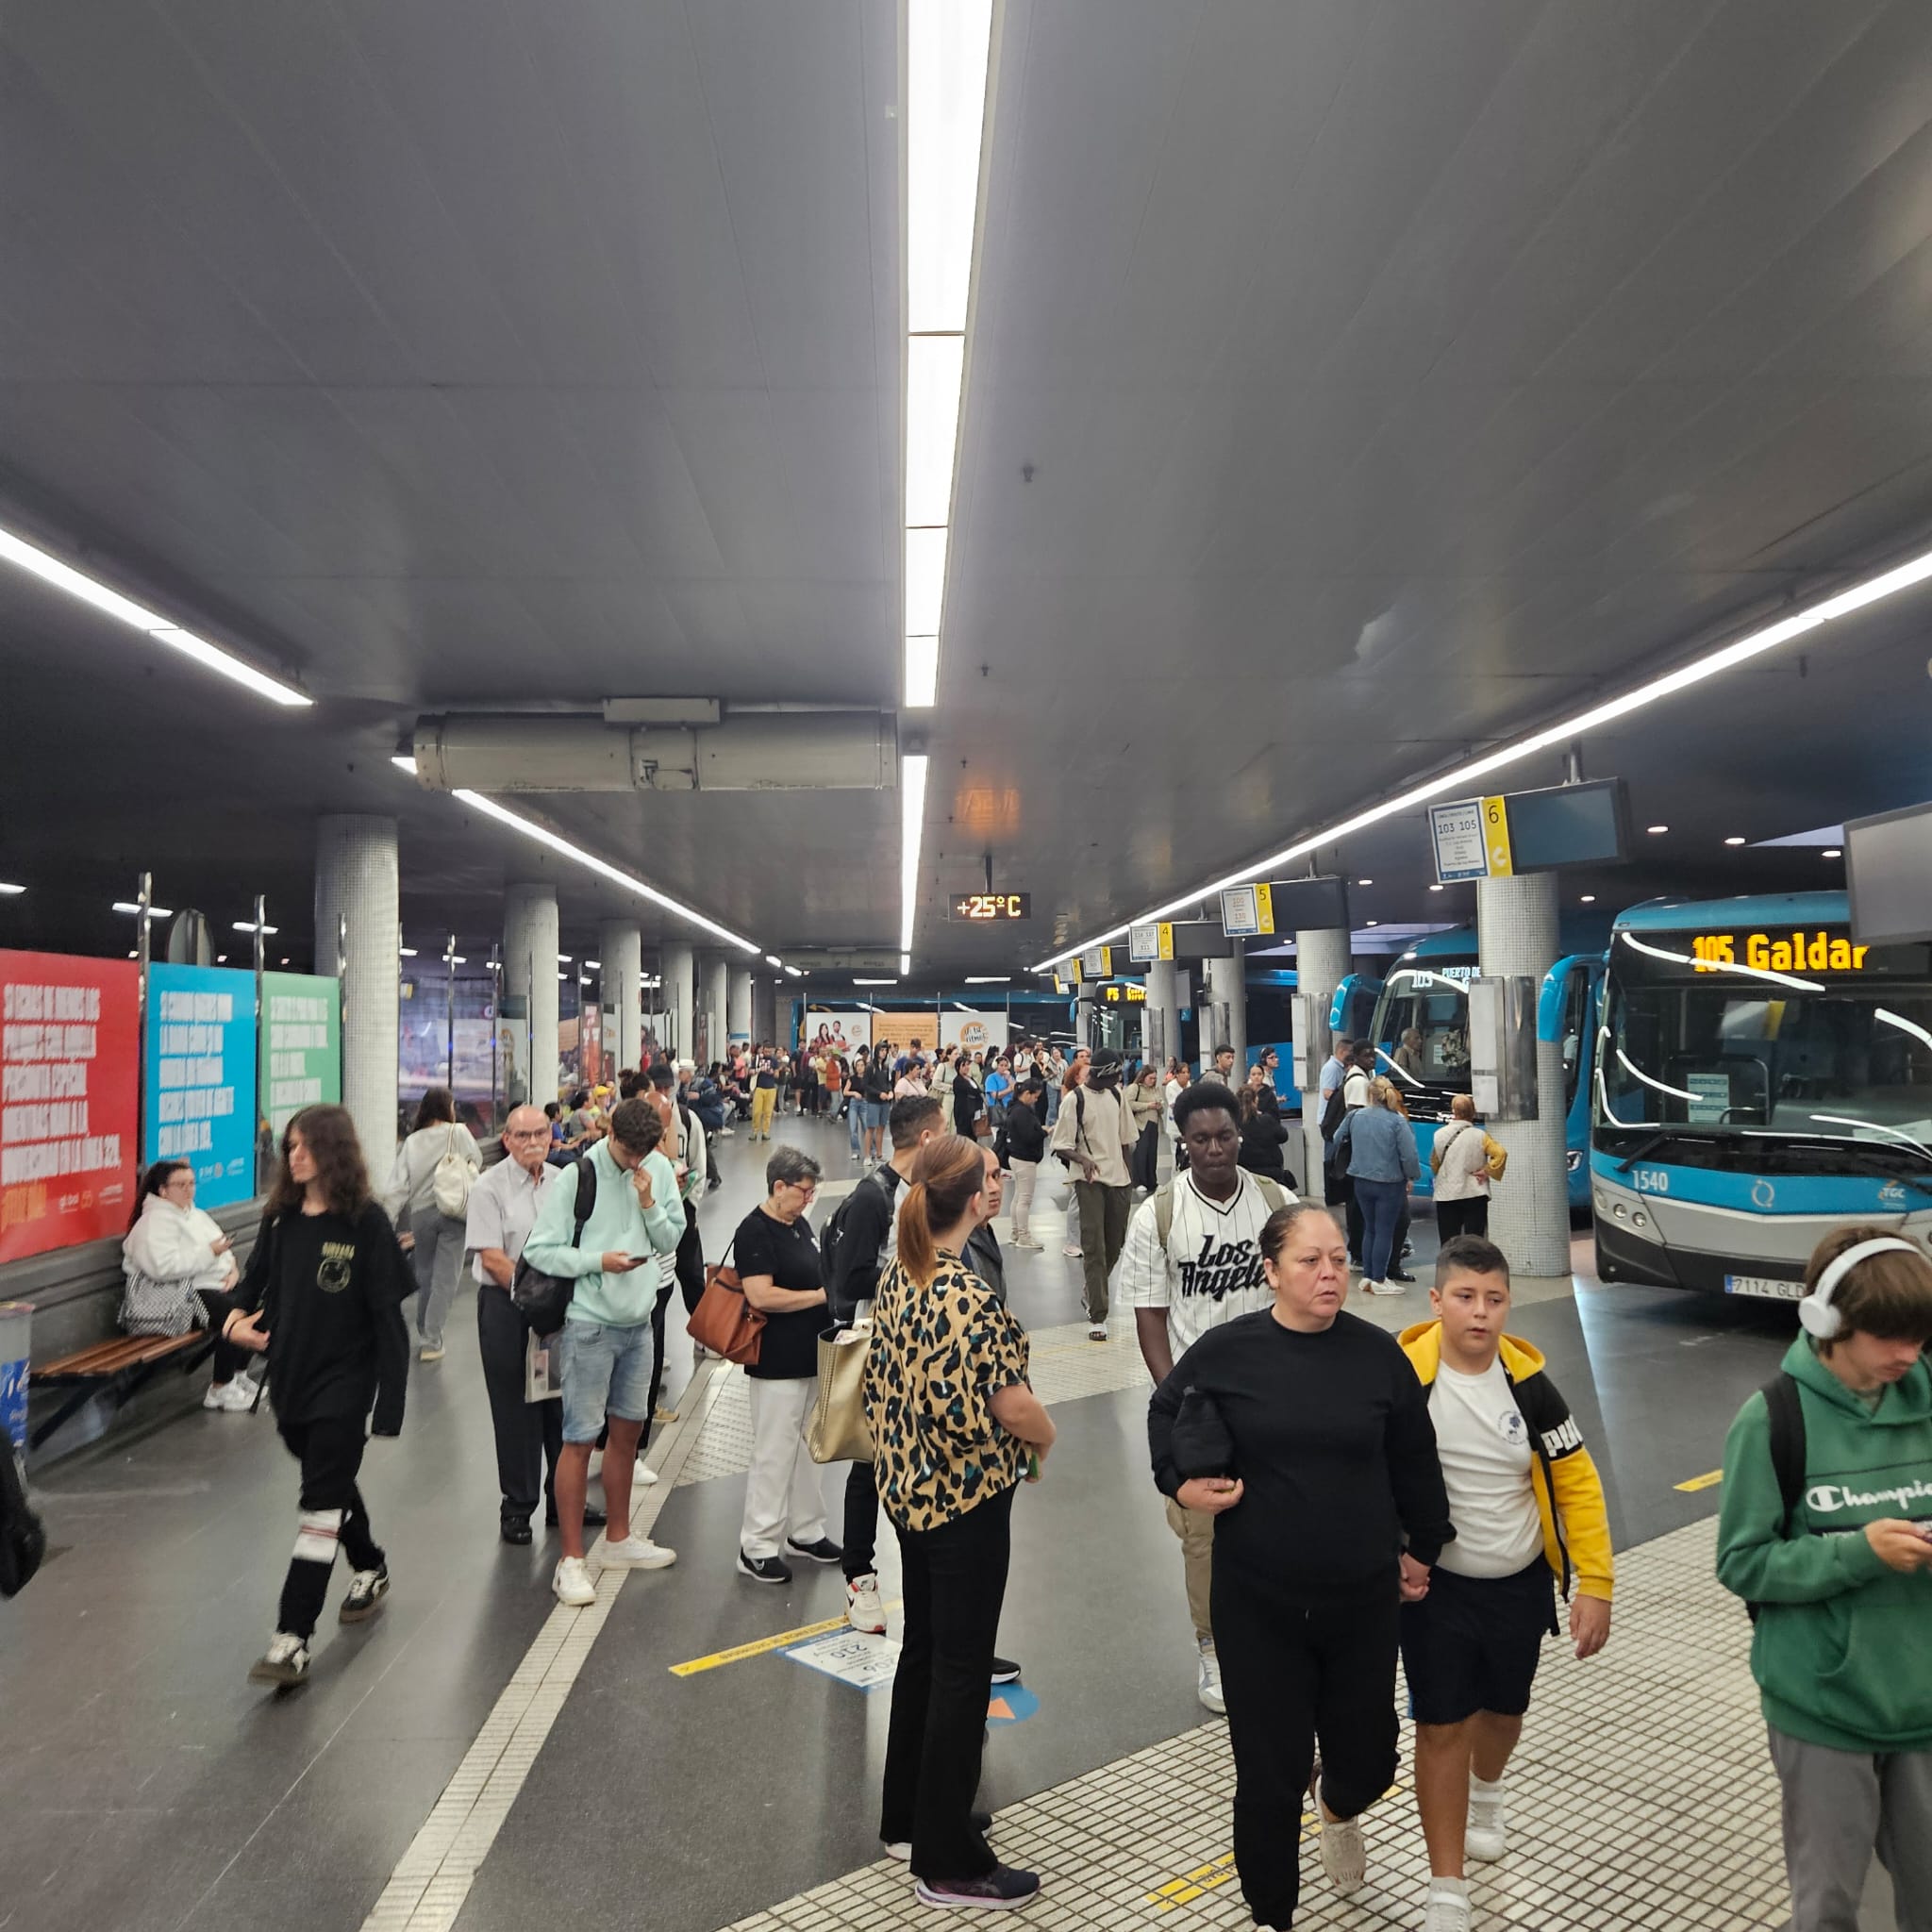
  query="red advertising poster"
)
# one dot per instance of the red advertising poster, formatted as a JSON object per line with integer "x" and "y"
{"x": 69, "y": 1049}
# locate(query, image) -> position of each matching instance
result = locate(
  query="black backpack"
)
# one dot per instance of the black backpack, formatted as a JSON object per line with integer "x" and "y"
{"x": 1332, "y": 1112}
{"x": 22, "y": 1535}
{"x": 1786, "y": 1410}
{"x": 833, "y": 1233}
{"x": 543, "y": 1299}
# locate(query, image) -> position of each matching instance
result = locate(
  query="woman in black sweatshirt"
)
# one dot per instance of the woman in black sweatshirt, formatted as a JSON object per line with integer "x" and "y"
{"x": 323, "y": 1297}
{"x": 1305, "y": 1433}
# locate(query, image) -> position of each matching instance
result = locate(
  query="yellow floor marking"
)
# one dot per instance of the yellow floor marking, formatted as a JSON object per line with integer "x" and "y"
{"x": 1708, "y": 1481}
{"x": 737, "y": 1653}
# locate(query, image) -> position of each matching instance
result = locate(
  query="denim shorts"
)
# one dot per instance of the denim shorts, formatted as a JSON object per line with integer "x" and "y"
{"x": 876, "y": 1113}
{"x": 606, "y": 1372}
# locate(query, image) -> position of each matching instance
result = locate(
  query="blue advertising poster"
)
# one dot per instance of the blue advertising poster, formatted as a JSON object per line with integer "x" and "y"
{"x": 200, "y": 1091}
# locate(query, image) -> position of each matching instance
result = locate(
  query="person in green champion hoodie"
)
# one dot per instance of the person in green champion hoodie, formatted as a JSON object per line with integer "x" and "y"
{"x": 1843, "y": 1651}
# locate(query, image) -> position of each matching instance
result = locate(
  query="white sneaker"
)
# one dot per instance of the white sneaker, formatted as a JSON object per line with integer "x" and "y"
{"x": 865, "y": 1609}
{"x": 596, "y": 1466}
{"x": 1344, "y": 1857}
{"x": 285, "y": 1660}
{"x": 1448, "y": 1906}
{"x": 1096, "y": 1331}
{"x": 1483, "y": 1840}
{"x": 571, "y": 1583}
{"x": 634, "y": 1553}
{"x": 1024, "y": 1241}
{"x": 247, "y": 1384}
{"x": 1071, "y": 1252}
{"x": 1210, "y": 1690}
{"x": 1383, "y": 1288}
{"x": 236, "y": 1397}
{"x": 643, "y": 1473}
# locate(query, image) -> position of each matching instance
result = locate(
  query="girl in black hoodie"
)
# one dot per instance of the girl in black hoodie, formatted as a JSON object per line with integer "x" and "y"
{"x": 322, "y": 1299}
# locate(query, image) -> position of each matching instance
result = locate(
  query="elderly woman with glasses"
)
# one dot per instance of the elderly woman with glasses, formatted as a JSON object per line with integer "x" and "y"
{"x": 783, "y": 1277}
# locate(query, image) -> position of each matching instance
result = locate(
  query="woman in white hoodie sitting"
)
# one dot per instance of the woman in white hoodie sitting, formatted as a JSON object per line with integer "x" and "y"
{"x": 172, "y": 1255}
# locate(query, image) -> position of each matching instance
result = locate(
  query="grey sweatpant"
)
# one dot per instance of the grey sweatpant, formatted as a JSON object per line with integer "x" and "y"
{"x": 1838, "y": 1808}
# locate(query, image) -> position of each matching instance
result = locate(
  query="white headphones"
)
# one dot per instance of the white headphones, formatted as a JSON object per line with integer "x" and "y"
{"x": 1816, "y": 1311}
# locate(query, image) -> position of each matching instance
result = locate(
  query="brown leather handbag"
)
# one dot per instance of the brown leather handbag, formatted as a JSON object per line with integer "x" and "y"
{"x": 723, "y": 1321}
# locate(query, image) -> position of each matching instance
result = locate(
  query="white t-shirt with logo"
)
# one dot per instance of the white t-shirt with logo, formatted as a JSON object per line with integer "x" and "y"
{"x": 1211, "y": 1270}
{"x": 1485, "y": 1449}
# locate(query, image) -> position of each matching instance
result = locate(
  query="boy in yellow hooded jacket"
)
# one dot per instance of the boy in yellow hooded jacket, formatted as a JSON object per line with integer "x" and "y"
{"x": 1528, "y": 1510}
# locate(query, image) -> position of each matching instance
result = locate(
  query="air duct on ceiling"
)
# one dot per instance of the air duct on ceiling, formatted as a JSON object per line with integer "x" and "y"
{"x": 749, "y": 751}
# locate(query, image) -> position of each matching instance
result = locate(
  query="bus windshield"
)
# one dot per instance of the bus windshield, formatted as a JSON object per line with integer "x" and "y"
{"x": 1422, "y": 1034}
{"x": 1711, "y": 1049}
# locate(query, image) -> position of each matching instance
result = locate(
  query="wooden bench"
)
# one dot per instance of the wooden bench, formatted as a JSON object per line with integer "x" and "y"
{"x": 117, "y": 1368}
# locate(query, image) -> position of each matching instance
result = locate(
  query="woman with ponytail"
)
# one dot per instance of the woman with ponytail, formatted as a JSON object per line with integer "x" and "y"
{"x": 955, "y": 1429}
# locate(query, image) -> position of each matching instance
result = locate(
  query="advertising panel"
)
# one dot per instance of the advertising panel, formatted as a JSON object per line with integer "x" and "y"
{"x": 841, "y": 1032}
{"x": 68, "y": 1047}
{"x": 301, "y": 1046}
{"x": 200, "y": 1060}
{"x": 975, "y": 1032}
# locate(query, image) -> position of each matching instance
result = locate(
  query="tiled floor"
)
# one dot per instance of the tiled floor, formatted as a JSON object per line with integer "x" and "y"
{"x": 1641, "y": 1797}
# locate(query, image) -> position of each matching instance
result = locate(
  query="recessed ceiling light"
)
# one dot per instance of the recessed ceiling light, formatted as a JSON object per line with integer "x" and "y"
{"x": 1654, "y": 830}
{"x": 1374, "y": 922}
{"x": 1832, "y": 851}
{"x": 1365, "y": 882}
{"x": 221, "y": 958}
{"x": 406, "y": 952}
{"x": 1589, "y": 899}
{"x": 7, "y": 892}
{"x": 1888, "y": 583}
{"x": 162, "y": 630}
{"x": 1437, "y": 889}
{"x": 1735, "y": 839}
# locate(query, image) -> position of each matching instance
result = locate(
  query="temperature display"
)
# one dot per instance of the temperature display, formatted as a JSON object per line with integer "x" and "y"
{"x": 993, "y": 906}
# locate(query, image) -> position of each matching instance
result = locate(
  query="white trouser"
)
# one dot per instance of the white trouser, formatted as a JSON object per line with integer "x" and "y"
{"x": 1025, "y": 1175}
{"x": 782, "y": 1492}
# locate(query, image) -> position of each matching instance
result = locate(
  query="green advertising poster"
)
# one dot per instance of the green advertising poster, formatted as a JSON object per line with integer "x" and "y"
{"x": 301, "y": 1045}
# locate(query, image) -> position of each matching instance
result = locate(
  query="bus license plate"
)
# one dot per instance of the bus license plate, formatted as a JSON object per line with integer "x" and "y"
{"x": 1764, "y": 1287}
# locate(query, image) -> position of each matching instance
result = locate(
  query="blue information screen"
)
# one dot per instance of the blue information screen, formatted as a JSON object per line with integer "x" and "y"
{"x": 199, "y": 1102}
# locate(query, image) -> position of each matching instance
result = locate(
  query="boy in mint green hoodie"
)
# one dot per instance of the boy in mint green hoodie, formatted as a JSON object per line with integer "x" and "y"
{"x": 1843, "y": 1651}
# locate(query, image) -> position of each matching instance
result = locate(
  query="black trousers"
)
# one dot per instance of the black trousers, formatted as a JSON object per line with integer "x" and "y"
{"x": 529, "y": 1434}
{"x": 1292, "y": 1674}
{"x": 955, "y": 1581}
{"x": 330, "y": 1453}
{"x": 1463, "y": 1217}
{"x": 658, "y": 1308}
{"x": 861, "y": 1536}
{"x": 690, "y": 1265}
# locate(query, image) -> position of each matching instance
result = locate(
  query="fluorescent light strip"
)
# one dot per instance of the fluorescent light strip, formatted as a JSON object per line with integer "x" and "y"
{"x": 874, "y": 982}
{"x": 922, "y": 672}
{"x": 934, "y": 366}
{"x": 162, "y": 630}
{"x": 9, "y": 891}
{"x": 911, "y": 826}
{"x": 988, "y": 979}
{"x": 602, "y": 867}
{"x": 925, "y": 580}
{"x": 1917, "y": 570}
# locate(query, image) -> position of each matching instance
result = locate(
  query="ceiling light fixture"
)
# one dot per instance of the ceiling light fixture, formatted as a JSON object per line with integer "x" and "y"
{"x": 912, "y": 769}
{"x": 1831, "y": 852}
{"x": 153, "y": 911}
{"x": 1438, "y": 889}
{"x": 947, "y": 43}
{"x": 1735, "y": 839}
{"x": 772, "y": 959}
{"x": 162, "y": 630}
{"x": 602, "y": 867}
{"x": 249, "y": 925}
{"x": 11, "y": 891}
{"x": 797, "y": 973}
{"x": 989, "y": 979}
{"x": 1587, "y": 899}
{"x": 874, "y": 982}
{"x": 403, "y": 761}
{"x": 1726, "y": 657}
{"x": 1365, "y": 882}
{"x": 405, "y": 952}
{"x": 563, "y": 959}
{"x": 1655, "y": 830}
{"x": 595, "y": 965}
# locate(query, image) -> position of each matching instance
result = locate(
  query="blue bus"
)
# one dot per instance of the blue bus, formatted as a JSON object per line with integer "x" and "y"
{"x": 1762, "y": 1078}
{"x": 1421, "y": 1030}
{"x": 1270, "y": 1024}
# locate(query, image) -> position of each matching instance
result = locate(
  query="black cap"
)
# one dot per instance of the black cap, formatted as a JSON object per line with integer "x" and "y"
{"x": 1105, "y": 1059}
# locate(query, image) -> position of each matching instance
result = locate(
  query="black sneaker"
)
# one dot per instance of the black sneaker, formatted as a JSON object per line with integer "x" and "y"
{"x": 824, "y": 1551}
{"x": 1005, "y": 1671}
{"x": 516, "y": 1530}
{"x": 594, "y": 1517}
{"x": 1397, "y": 1275}
{"x": 367, "y": 1588}
{"x": 763, "y": 1569}
{"x": 1000, "y": 1890}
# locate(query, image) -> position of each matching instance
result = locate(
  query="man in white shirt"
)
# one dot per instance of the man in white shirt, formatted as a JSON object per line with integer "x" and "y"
{"x": 1095, "y": 1137}
{"x": 1207, "y": 1271}
{"x": 503, "y": 1207}
{"x": 1335, "y": 1068}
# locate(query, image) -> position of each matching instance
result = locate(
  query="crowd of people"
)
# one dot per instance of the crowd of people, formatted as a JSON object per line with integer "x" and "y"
{"x": 1343, "y": 1496}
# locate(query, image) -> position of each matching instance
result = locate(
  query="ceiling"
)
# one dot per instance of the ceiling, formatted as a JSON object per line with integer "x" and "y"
{"x": 1350, "y": 385}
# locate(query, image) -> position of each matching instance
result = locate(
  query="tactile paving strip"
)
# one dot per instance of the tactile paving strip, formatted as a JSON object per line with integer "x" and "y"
{"x": 1641, "y": 1797}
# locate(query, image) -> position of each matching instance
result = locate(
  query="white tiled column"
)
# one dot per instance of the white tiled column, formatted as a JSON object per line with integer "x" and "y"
{"x": 1321, "y": 965}
{"x": 1163, "y": 999}
{"x": 357, "y": 898}
{"x": 529, "y": 970}
{"x": 738, "y": 1006}
{"x": 1529, "y": 1210}
{"x": 620, "y": 951}
{"x": 1227, "y": 982}
{"x": 715, "y": 973}
{"x": 677, "y": 989}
